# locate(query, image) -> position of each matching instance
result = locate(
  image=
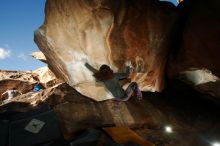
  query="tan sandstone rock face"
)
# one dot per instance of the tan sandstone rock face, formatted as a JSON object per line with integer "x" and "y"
{"x": 39, "y": 56}
{"x": 24, "y": 81}
{"x": 106, "y": 32}
{"x": 45, "y": 76}
{"x": 179, "y": 1}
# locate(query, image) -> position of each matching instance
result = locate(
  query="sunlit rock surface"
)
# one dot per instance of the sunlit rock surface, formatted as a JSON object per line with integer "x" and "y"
{"x": 24, "y": 81}
{"x": 16, "y": 75}
{"x": 21, "y": 80}
{"x": 45, "y": 76}
{"x": 179, "y": 1}
{"x": 39, "y": 56}
{"x": 9, "y": 84}
{"x": 106, "y": 32}
{"x": 198, "y": 76}
{"x": 202, "y": 80}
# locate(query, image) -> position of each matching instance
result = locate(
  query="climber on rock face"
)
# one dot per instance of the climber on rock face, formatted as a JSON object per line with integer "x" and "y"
{"x": 111, "y": 81}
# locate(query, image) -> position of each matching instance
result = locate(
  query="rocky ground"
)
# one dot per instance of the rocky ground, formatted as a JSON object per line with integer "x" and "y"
{"x": 24, "y": 81}
{"x": 194, "y": 119}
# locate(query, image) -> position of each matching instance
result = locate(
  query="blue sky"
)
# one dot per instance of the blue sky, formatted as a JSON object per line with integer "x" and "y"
{"x": 173, "y": 1}
{"x": 18, "y": 21}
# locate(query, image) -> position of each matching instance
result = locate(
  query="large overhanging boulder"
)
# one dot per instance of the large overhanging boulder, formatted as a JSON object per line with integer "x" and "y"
{"x": 107, "y": 32}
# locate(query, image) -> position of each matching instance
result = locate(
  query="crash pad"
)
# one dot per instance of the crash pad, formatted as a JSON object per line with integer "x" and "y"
{"x": 123, "y": 134}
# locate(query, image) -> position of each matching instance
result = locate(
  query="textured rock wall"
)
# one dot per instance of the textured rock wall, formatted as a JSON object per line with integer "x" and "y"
{"x": 45, "y": 77}
{"x": 24, "y": 81}
{"x": 21, "y": 86}
{"x": 107, "y": 32}
{"x": 197, "y": 46}
{"x": 199, "y": 42}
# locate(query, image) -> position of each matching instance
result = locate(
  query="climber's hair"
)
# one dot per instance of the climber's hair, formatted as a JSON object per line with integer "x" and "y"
{"x": 104, "y": 73}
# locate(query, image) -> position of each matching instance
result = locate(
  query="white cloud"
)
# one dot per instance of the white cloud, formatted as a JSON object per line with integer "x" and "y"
{"x": 22, "y": 56}
{"x": 4, "y": 53}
